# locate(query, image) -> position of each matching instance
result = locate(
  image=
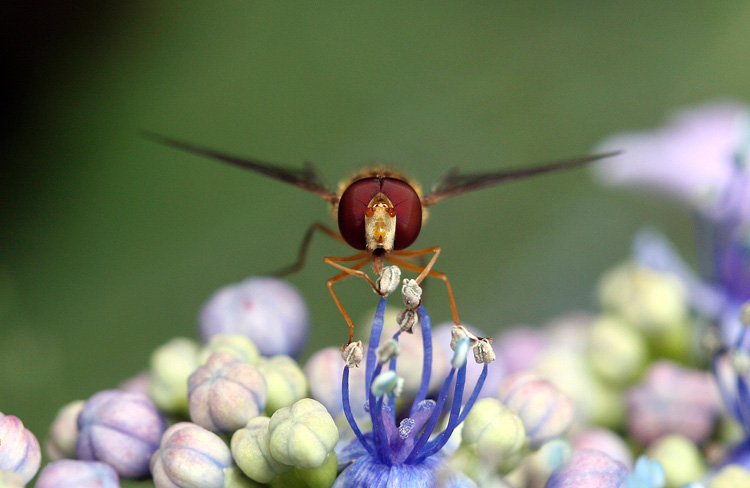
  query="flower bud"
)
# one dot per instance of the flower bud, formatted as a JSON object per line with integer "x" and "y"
{"x": 140, "y": 383}
{"x": 589, "y": 468}
{"x": 237, "y": 344}
{"x": 731, "y": 476}
{"x": 251, "y": 450}
{"x": 9, "y": 479}
{"x": 672, "y": 399}
{"x": 519, "y": 348}
{"x": 69, "y": 473}
{"x": 63, "y": 434}
{"x": 190, "y": 456}
{"x": 496, "y": 430}
{"x": 225, "y": 393}
{"x": 171, "y": 365}
{"x": 680, "y": 458}
{"x": 595, "y": 402}
{"x": 545, "y": 411}
{"x": 302, "y": 435}
{"x": 652, "y": 301}
{"x": 19, "y": 449}
{"x": 121, "y": 429}
{"x": 285, "y": 381}
{"x": 606, "y": 441}
{"x": 616, "y": 351}
{"x": 323, "y": 476}
{"x": 541, "y": 463}
{"x": 267, "y": 310}
{"x": 326, "y": 364}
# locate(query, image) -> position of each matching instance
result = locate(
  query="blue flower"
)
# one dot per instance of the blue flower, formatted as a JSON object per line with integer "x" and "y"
{"x": 405, "y": 453}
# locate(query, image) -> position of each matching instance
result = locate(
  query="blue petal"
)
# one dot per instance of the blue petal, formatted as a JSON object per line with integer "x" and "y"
{"x": 370, "y": 473}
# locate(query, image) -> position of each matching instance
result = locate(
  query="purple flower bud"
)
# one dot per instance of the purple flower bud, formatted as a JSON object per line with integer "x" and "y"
{"x": 190, "y": 457}
{"x": 69, "y": 473}
{"x": 19, "y": 449}
{"x": 589, "y": 468}
{"x": 140, "y": 383}
{"x": 225, "y": 393}
{"x": 267, "y": 310}
{"x": 606, "y": 441}
{"x": 63, "y": 434}
{"x": 672, "y": 399}
{"x": 545, "y": 411}
{"x": 520, "y": 347}
{"x": 121, "y": 429}
{"x": 326, "y": 364}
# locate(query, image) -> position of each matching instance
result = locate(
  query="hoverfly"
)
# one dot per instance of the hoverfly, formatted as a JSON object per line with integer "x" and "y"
{"x": 379, "y": 211}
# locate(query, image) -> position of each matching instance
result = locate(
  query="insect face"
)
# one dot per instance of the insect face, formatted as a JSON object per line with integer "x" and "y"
{"x": 360, "y": 198}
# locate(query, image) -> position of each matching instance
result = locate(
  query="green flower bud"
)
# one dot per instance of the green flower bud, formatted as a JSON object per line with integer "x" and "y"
{"x": 237, "y": 344}
{"x": 731, "y": 476}
{"x": 63, "y": 434}
{"x": 251, "y": 450}
{"x": 616, "y": 351}
{"x": 285, "y": 381}
{"x": 652, "y": 301}
{"x": 496, "y": 430}
{"x": 171, "y": 365}
{"x": 303, "y": 434}
{"x": 321, "y": 477}
{"x": 680, "y": 458}
{"x": 9, "y": 479}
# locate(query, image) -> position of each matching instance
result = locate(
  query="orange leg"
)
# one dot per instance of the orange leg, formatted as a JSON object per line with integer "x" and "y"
{"x": 362, "y": 258}
{"x": 305, "y": 246}
{"x": 425, "y": 270}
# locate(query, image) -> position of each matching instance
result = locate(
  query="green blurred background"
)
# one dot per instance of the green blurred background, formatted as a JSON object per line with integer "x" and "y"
{"x": 110, "y": 243}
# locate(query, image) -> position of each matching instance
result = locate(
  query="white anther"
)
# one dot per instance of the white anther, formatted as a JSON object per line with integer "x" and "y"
{"x": 407, "y": 319}
{"x": 388, "y": 280}
{"x": 458, "y": 332}
{"x": 460, "y": 352}
{"x": 352, "y": 354}
{"x": 387, "y": 383}
{"x": 412, "y": 293}
{"x": 389, "y": 350}
{"x": 483, "y": 352}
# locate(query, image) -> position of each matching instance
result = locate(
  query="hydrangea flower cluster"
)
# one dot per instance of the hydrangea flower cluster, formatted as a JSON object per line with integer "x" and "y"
{"x": 622, "y": 397}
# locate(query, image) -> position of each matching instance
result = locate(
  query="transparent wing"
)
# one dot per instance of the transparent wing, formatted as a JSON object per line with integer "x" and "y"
{"x": 306, "y": 177}
{"x": 453, "y": 183}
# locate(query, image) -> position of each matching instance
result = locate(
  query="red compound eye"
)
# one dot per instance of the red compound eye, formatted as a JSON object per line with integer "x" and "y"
{"x": 357, "y": 196}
